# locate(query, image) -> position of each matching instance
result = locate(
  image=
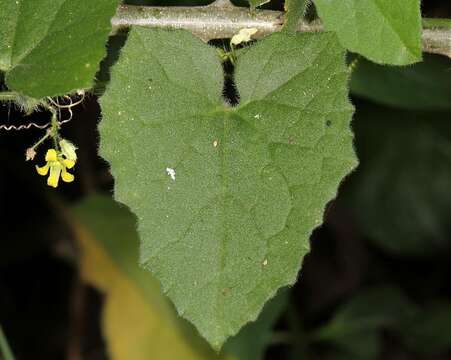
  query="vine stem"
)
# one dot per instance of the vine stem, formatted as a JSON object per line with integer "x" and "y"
{"x": 222, "y": 20}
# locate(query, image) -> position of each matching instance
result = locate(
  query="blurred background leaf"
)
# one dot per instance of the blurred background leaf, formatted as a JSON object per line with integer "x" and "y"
{"x": 400, "y": 193}
{"x": 429, "y": 332}
{"x": 356, "y": 326}
{"x": 422, "y": 86}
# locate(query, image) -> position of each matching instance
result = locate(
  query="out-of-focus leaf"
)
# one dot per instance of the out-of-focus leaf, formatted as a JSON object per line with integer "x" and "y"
{"x": 252, "y": 340}
{"x": 426, "y": 85}
{"x": 400, "y": 191}
{"x": 429, "y": 332}
{"x": 356, "y": 326}
{"x": 384, "y": 31}
{"x": 138, "y": 322}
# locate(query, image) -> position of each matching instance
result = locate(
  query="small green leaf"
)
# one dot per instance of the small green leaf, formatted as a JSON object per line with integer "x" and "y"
{"x": 53, "y": 47}
{"x": 226, "y": 198}
{"x": 384, "y": 31}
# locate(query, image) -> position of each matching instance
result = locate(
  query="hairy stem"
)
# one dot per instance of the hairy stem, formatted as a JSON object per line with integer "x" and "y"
{"x": 222, "y": 20}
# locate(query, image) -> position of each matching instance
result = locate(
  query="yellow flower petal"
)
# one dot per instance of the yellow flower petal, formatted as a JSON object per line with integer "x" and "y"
{"x": 51, "y": 155}
{"x": 54, "y": 177}
{"x": 69, "y": 163}
{"x": 43, "y": 170}
{"x": 67, "y": 177}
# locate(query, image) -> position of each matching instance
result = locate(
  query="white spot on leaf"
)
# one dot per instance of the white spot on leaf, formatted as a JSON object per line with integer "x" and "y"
{"x": 171, "y": 173}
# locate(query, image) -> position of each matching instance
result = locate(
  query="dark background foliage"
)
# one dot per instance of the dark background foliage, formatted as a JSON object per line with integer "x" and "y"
{"x": 375, "y": 285}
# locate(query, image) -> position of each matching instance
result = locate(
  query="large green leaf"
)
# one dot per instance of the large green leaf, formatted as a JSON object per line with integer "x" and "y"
{"x": 52, "y": 47}
{"x": 384, "y": 31}
{"x": 226, "y": 198}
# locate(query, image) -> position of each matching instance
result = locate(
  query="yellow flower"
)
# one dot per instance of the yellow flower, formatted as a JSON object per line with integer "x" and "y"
{"x": 244, "y": 35}
{"x": 58, "y": 166}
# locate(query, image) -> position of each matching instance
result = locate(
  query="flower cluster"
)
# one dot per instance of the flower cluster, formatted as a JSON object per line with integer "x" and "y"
{"x": 58, "y": 161}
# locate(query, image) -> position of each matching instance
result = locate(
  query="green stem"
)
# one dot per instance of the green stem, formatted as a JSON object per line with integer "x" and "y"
{"x": 5, "y": 350}
{"x": 41, "y": 140}
{"x": 437, "y": 36}
{"x": 55, "y": 130}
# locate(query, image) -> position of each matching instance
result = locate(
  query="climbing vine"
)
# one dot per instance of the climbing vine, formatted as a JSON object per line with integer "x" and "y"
{"x": 226, "y": 192}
